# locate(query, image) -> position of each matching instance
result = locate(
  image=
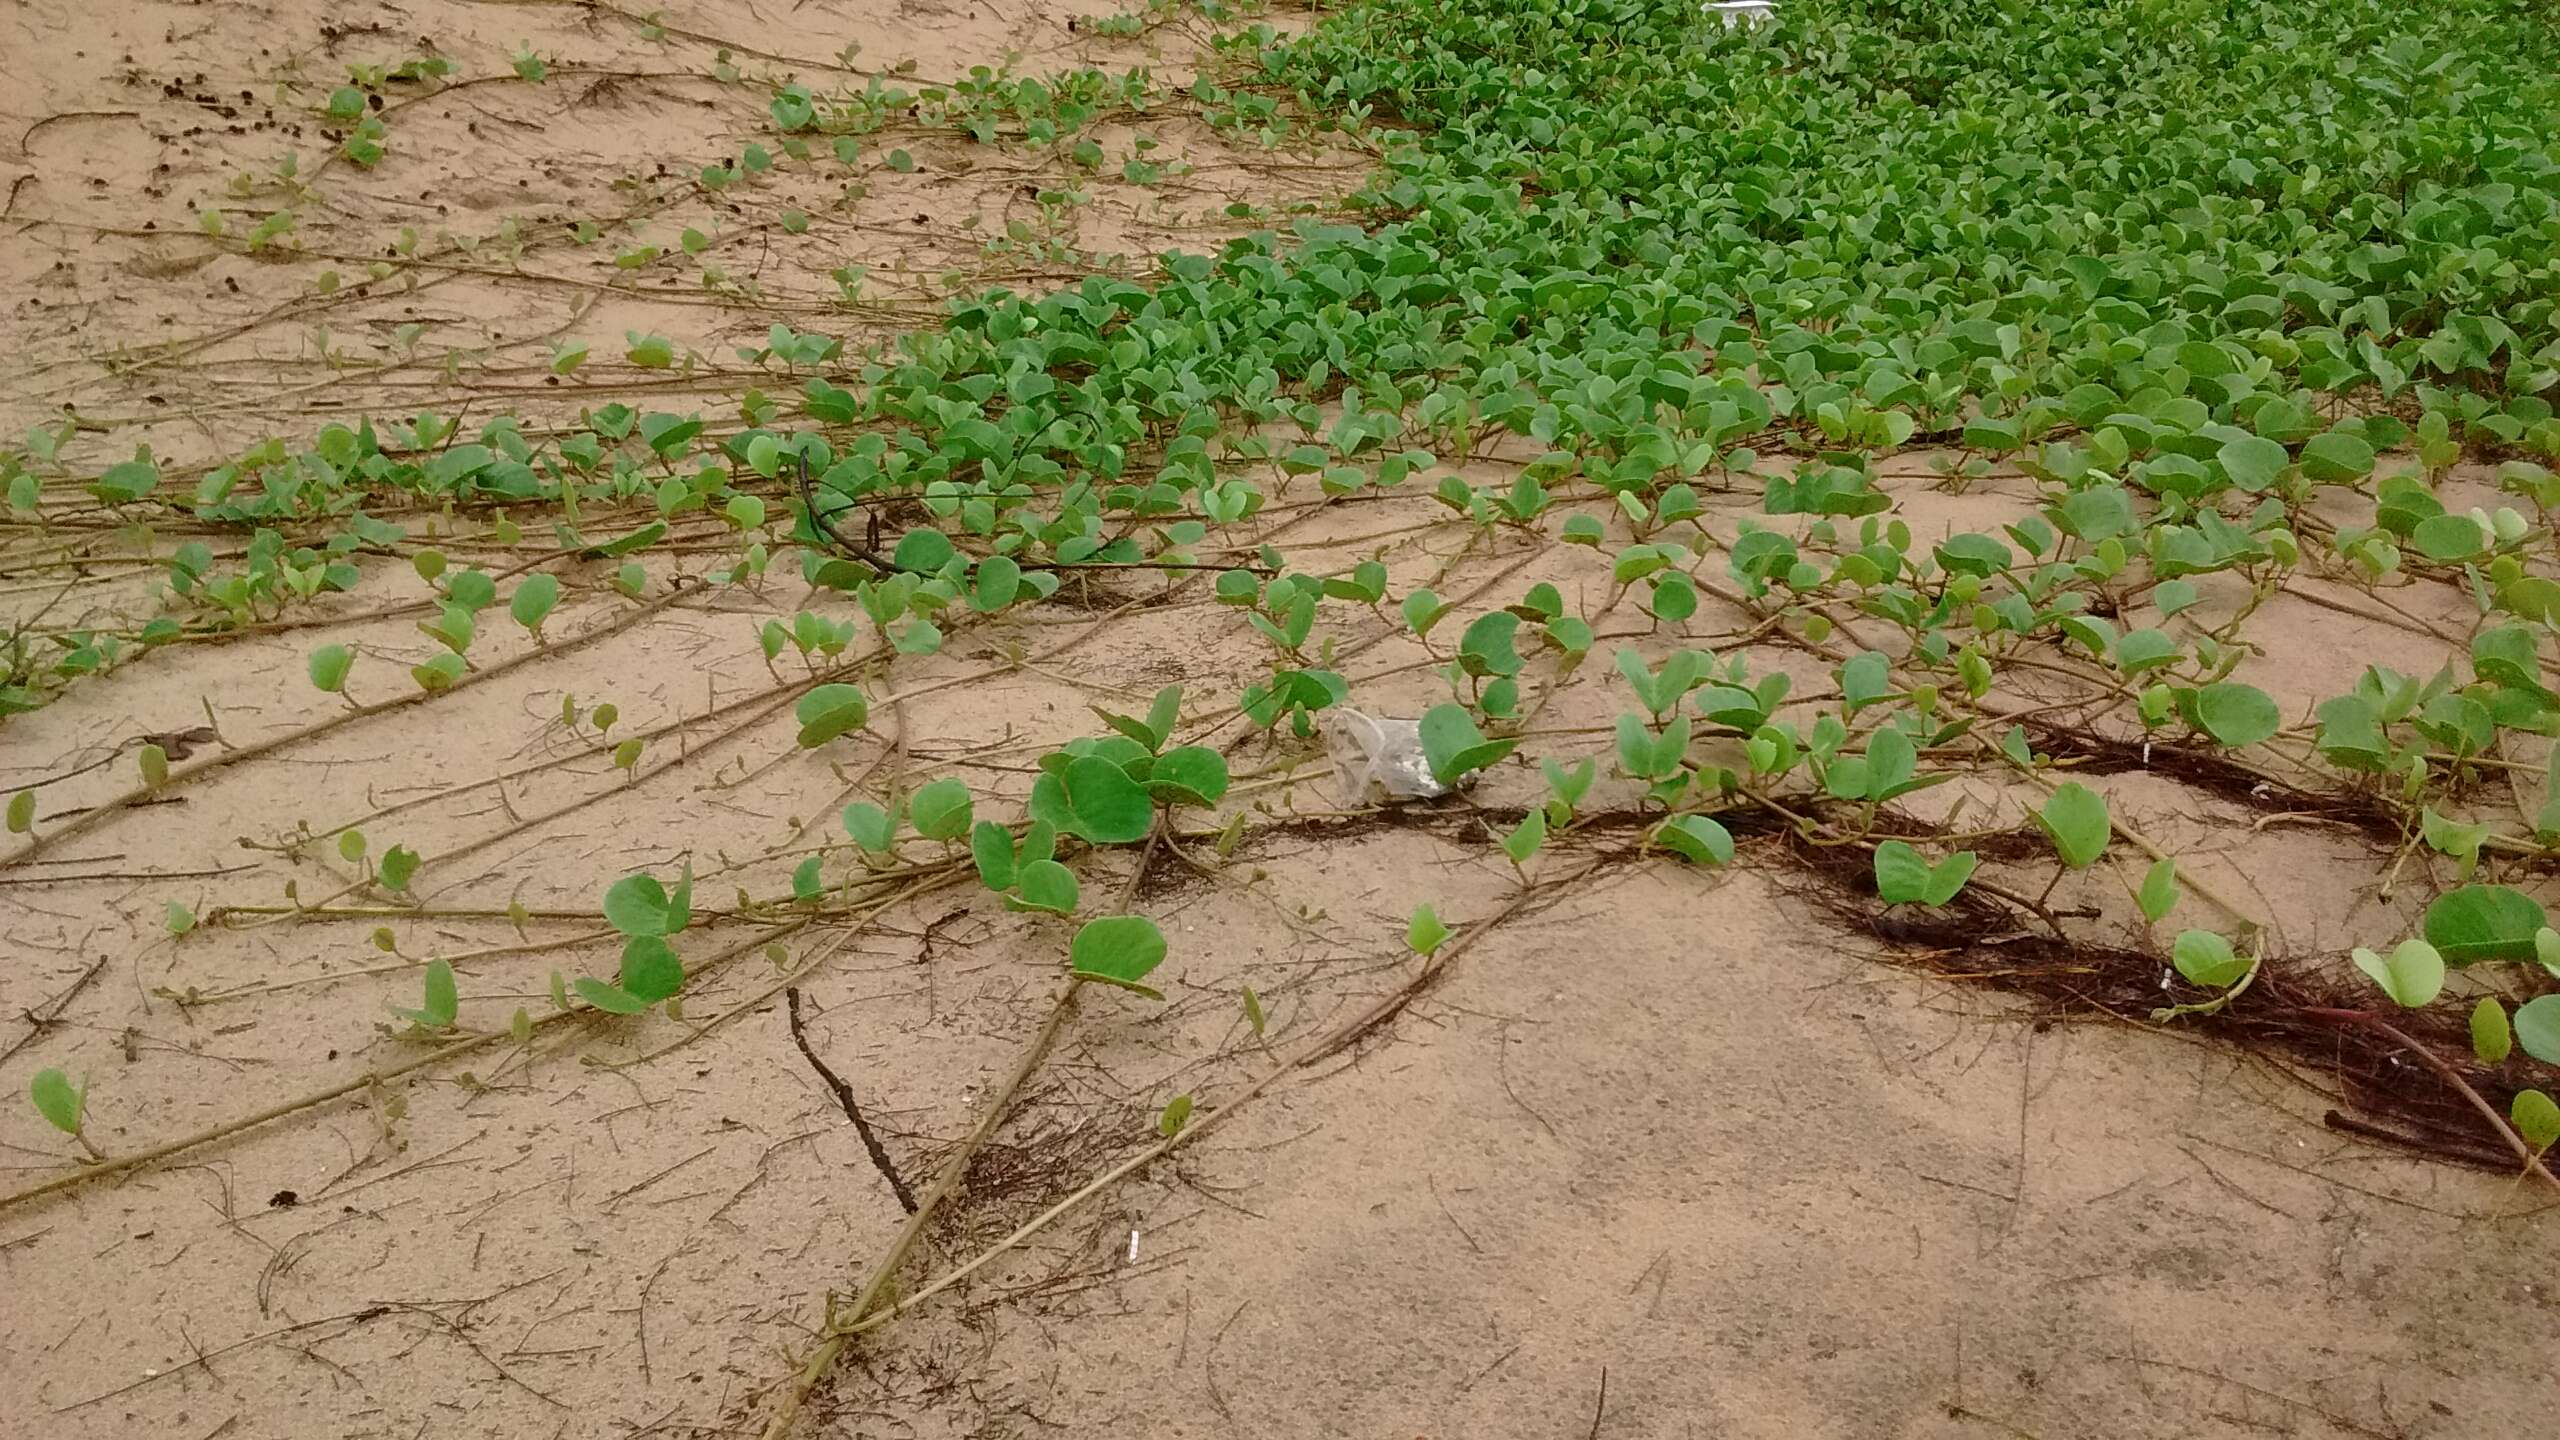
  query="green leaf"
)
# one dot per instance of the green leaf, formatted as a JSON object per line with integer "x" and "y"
{"x": 177, "y": 919}
{"x": 2491, "y": 1037}
{"x": 1046, "y": 885}
{"x": 57, "y": 1100}
{"x": 1175, "y": 1115}
{"x": 611, "y": 999}
{"x": 1487, "y": 646}
{"x": 2337, "y": 458}
{"x": 2159, "y": 893}
{"x": 2076, "y": 819}
{"x": 2451, "y": 837}
{"x": 942, "y": 810}
{"x": 1107, "y": 807}
{"x": 1422, "y": 610}
{"x": 328, "y": 667}
{"x": 1698, "y": 839}
{"x": 2235, "y": 714}
{"x": 2253, "y": 462}
{"x": 830, "y": 711}
{"x": 441, "y": 1003}
{"x": 1118, "y": 950}
{"x": 2448, "y": 538}
{"x": 534, "y": 601}
{"x": 2413, "y": 974}
{"x": 991, "y": 847}
{"x": 2483, "y": 922}
{"x": 399, "y": 865}
{"x": 805, "y": 881}
{"x": 1454, "y": 747}
{"x": 871, "y": 827}
{"x": 2207, "y": 959}
{"x": 22, "y": 812}
{"x": 440, "y": 673}
{"x": 1904, "y": 876}
{"x": 2538, "y": 1028}
{"x": 1526, "y": 837}
{"x": 1424, "y": 933}
{"x": 651, "y": 970}
{"x": 638, "y": 905}
{"x": 2537, "y": 1118}
{"x": 1864, "y": 679}
{"x": 1190, "y": 775}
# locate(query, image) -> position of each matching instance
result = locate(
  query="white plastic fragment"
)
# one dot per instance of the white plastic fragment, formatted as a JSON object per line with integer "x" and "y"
{"x": 1742, "y": 12}
{"x": 1377, "y": 760}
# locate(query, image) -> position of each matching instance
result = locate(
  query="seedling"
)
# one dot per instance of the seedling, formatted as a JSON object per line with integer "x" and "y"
{"x": 64, "y": 1106}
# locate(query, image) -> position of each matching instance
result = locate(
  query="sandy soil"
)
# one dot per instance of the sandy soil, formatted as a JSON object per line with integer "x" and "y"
{"x": 1662, "y": 1154}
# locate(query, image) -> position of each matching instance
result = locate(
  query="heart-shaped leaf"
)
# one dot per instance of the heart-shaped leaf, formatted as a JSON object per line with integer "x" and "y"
{"x": 2076, "y": 819}
{"x": 442, "y": 1001}
{"x": 2413, "y": 974}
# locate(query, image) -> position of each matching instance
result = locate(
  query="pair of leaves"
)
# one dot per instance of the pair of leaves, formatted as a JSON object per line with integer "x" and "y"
{"x": 1904, "y": 876}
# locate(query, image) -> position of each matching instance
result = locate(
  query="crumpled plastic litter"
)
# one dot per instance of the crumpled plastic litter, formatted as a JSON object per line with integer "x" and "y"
{"x": 1377, "y": 759}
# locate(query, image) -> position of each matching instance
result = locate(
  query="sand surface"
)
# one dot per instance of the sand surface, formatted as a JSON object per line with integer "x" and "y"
{"x": 1660, "y": 1154}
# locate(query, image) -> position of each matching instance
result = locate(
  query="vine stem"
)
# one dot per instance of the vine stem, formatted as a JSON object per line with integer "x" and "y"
{"x": 222, "y": 759}
{"x": 2531, "y": 1157}
{"x": 866, "y": 1313}
{"x": 884, "y": 1270}
{"x": 363, "y": 1081}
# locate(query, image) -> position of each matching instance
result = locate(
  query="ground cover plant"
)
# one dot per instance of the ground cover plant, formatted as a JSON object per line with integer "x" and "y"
{"x": 2060, "y": 495}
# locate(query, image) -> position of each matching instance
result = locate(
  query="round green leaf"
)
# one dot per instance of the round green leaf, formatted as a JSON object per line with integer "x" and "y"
{"x": 2537, "y": 1028}
{"x": 941, "y": 810}
{"x": 534, "y": 600}
{"x": 1106, "y": 806}
{"x": 651, "y": 970}
{"x": 2537, "y": 1118}
{"x": 638, "y": 905}
{"x": 2235, "y": 714}
{"x": 1118, "y": 950}
{"x": 830, "y": 711}
{"x": 1454, "y": 747}
{"x": 2483, "y": 922}
{"x": 1698, "y": 839}
{"x": 1189, "y": 774}
{"x": 329, "y": 665}
{"x": 2253, "y": 462}
{"x": 1045, "y": 885}
{"x": 2206, "y": 959}
{"x": 57, "y": 1100}
{"x": 2337, "y": 458}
